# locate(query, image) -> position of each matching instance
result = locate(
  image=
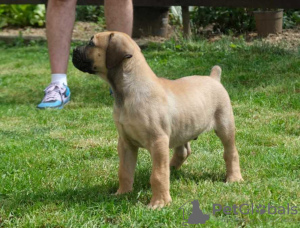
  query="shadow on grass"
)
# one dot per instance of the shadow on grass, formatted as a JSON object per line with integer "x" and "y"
{"x": 214, "y": 176}
{"x": 93, "y": 95}
{"x": 103, "y": 194}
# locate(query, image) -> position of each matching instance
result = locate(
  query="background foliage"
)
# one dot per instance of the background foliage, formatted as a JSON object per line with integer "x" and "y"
{"x": 291, "y": 18}
{"x": 34, "y": 15}
{"x": 90, "y": 13}
{"x": 22, "y": 15}
{"x": 225, "y": 20}
{"x": 237, "y": 20}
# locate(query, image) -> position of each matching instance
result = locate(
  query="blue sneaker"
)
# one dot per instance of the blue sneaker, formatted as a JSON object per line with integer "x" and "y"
{"x": 56, "y": 96}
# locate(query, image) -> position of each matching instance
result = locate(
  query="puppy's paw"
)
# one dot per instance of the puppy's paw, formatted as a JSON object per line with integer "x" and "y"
{"x": 159, "y": 202}
{"x": 122, "y": 191}
{"x": 234, "y": 178}
{"x": 176, "y": 163}
{"x": 174, "y": 167}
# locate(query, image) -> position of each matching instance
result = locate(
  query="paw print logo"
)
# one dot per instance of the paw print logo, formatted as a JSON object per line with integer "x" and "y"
{"x": 260, "y": 209}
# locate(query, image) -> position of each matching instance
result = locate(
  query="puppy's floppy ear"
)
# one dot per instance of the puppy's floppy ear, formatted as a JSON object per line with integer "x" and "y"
{"x": 118, "y": 49}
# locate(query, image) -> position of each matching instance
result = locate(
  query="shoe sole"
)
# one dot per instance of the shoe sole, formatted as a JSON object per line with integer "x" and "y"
{"x": 57, "y": 107}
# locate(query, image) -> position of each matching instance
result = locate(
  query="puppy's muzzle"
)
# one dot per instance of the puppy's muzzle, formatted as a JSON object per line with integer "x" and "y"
{"x": 81, "y": 61}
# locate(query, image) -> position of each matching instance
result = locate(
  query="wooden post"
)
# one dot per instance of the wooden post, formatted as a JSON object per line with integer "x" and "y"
{"x": 186, "y": 21}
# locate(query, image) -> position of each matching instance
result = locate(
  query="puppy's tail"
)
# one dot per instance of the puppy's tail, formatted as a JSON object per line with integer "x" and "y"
{"x": 216, "y": 72}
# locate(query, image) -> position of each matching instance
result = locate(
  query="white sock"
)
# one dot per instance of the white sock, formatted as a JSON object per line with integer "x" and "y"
{"x": 60, "y": 78}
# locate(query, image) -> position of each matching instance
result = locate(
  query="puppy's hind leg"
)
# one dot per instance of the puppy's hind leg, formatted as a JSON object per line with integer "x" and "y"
{"x": 180, "y": 155}
{"x": 225, "y": 130}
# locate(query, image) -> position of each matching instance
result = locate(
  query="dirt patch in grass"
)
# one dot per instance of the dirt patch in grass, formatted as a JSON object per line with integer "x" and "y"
{"x": 84, "y": 30}
{"x": 81, "y": 31}
{"x": 290, "y": 36}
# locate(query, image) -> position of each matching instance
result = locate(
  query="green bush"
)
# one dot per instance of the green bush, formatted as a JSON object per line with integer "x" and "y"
{"x": 22, "y": 15}
{"x": 226, "y": 20}
{"x": 291, "y": 18}
{"x": 236, "y": 20}
{"x": 90, "y": 13}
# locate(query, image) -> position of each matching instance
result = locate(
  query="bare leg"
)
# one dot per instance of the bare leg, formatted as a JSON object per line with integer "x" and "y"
{"x": 59, "y": 26}
{"x": 226, "y": 132}
{"x": 128, "y": 157}
{"x": 119, "y": 15}
{"x": 180, "y": 155}
{"x": 160, "y": 177}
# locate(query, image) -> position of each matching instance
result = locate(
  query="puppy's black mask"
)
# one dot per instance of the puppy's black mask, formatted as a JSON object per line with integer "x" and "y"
{"x": 81, "y": 60}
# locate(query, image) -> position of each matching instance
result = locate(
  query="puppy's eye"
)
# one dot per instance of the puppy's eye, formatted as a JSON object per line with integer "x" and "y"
{"x": 91, "y": 43}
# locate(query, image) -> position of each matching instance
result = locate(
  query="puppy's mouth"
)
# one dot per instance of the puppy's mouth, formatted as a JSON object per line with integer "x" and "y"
{"x": 81, "y": 61}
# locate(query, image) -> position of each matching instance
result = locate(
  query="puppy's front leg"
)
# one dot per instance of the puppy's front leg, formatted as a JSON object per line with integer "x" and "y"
{"x": 160, "y": 177}
{"x": 128, "y": 156}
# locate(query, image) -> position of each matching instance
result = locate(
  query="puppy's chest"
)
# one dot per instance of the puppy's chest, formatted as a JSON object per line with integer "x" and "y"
{"x": 131, "y": 127}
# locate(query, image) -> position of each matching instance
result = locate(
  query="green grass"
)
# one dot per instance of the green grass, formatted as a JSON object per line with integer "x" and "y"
{"x": 59, "y": 168}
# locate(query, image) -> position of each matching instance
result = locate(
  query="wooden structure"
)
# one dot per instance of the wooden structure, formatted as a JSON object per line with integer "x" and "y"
{"x": 284, "y": 4}
{"x": 292, "y": 4}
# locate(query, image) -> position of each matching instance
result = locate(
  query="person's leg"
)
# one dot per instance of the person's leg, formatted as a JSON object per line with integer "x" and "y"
{"x": 59, "y": 26}
{"x": 119, "y": 15}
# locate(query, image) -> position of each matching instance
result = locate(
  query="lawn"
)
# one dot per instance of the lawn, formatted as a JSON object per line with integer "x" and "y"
{"x": 58, "y": 168}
